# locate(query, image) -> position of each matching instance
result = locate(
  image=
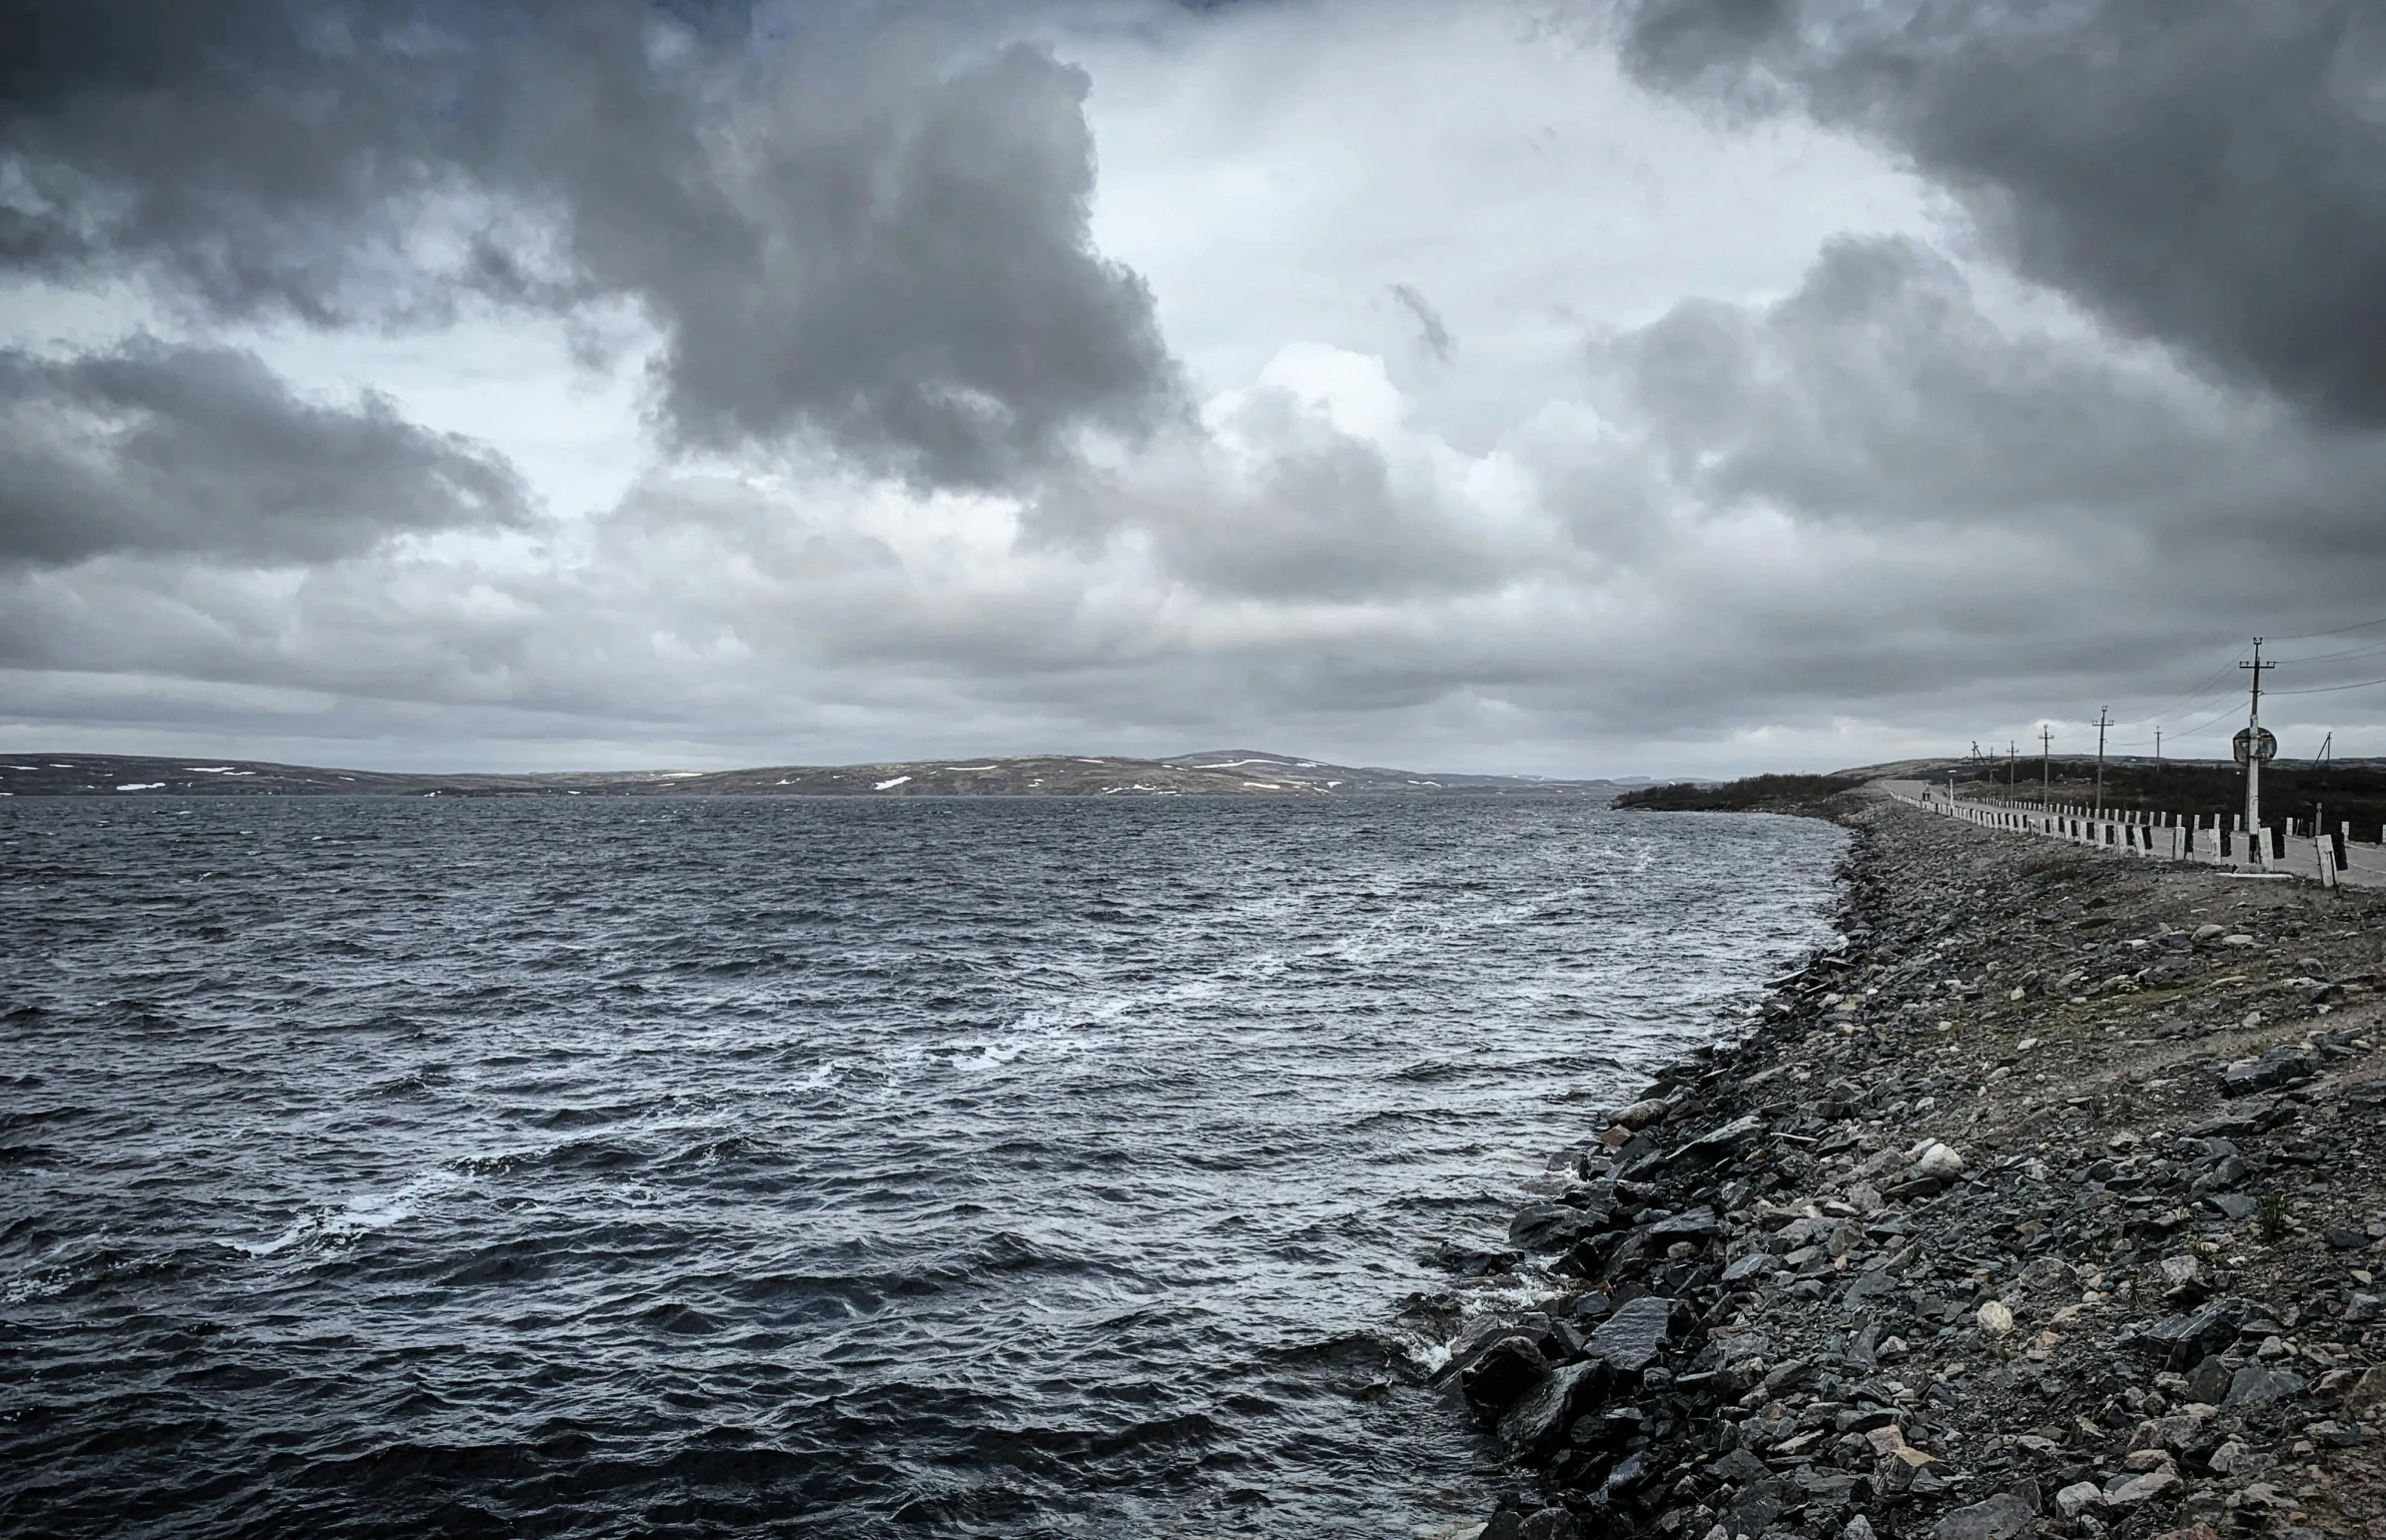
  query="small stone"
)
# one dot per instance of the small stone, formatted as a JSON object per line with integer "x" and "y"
{"x": 1995, "y": 1317}
{"x": 1934, "y": 1162}
{"x": 1999, "y": 1518}
{"x": 1756, "y": 1265}
{"x": 2208, "y": 1381}
{"x": 2139, "y": 1488}
{"x": 2255, "y": 1385}
{"x": 1630, "y": 1339}
{"x": 2368, "y": 1392}
{"x": 1645, "y": 1114}
{"x": 2078, "y": 1498}
{"x": 1858, "y": 1528}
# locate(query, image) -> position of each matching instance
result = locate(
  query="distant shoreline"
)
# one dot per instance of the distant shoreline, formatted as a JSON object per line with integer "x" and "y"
{"x": 1216, "y": 773}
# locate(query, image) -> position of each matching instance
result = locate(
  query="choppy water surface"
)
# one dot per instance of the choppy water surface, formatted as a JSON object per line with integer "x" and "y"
{"x": 609, "y": 1168}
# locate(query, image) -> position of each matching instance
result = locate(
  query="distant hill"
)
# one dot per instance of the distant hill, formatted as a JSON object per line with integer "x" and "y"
{"x": 1220, "y": 772}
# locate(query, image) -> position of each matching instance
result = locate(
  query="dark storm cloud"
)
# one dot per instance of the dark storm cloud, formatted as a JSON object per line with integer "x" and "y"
{"x": 152, "y": 450}
{"x": 1932, "y": 501}
{"x": 1877, "y": 393}
{"x": 864, "y": 233}
{"x": 2205, "y": 171}
{"x": 1432, "y": 330}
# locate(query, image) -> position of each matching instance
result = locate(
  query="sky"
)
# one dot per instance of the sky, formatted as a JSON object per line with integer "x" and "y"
{"x": 1656, "y": 386}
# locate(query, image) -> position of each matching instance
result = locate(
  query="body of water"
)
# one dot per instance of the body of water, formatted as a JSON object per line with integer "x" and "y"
{"x": 638, "y": 1167}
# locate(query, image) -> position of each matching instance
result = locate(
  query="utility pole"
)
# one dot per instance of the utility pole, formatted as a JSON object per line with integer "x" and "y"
{"x": 2158, "y": 743}
{"x": 2045, "y": 763}
{"x": 2253, "y": 746}
{"x": 2103, "y": 720}
{"x": 2013, "y": 765}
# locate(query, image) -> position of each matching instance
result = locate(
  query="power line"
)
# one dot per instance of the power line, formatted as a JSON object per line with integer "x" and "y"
{"x": 2326, "y": 689}
{"x": 2201, "y": 727}
{"x": 2201, "y": 690}
{"x": 2334, "y": 634}
{"x": 2350, "y": 652}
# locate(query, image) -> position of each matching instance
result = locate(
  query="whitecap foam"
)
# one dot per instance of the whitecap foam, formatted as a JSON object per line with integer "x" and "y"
{"x": 361, "y": 1214}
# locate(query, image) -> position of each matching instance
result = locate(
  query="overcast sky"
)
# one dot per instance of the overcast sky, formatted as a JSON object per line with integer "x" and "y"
{"x": 1673, "y": 385}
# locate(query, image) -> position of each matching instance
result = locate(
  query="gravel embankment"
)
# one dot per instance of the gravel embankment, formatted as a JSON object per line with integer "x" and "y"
{"x": 2053, "y": 1202}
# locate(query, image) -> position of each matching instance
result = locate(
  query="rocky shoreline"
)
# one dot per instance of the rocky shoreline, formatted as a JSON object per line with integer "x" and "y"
{"x": 2052, "y": 1201}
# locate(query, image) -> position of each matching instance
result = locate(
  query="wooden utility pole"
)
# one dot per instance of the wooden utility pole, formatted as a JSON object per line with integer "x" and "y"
{"x": 2103, "y": 720}
{"x": 2254, "y": 745}
{"x": 2047, "y": 762}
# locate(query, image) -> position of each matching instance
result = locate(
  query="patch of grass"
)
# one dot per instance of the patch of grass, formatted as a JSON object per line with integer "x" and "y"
{"x": 2269, "y": 1217}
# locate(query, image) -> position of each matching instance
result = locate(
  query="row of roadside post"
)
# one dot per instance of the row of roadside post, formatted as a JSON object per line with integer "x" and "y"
{"x": 2325, "y": 856}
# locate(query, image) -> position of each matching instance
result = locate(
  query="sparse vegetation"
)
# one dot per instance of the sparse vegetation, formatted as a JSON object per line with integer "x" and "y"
{"x": 1755, "y": 794}
{"x": 2269, "y": 1217}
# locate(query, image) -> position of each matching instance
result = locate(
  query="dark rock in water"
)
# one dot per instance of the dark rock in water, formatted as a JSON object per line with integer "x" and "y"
{"x": 1473, "y": 1261}
{"x": 1541, "y": 1417}
{"x": 1503, "y": 1371}
{"x": 1553, "y": 1227}
{"x": 2254, "y": 1385}
{"x": 1550, "y": 1524}
{"x": 1999, "y": 1518}
{"x": 1630, "y": 1339}
{"x": 1507, "y": 1524}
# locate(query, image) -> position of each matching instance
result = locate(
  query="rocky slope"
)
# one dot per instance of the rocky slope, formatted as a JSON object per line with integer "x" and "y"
{"x": 2051, "y": 1202}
